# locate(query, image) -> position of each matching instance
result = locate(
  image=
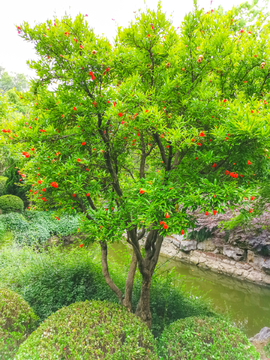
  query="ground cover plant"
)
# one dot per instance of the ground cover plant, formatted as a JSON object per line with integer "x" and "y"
{"x": 205, "y": 339}
{"x": 135, "y": 133}
{"x": 90, "y": 330}
{"x": 17, "y": 321}
{"x": 37, "y": 227}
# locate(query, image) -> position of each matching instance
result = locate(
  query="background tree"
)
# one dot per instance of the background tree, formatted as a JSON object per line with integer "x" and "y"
{"x": 8, "y": 82}
{"x": 138, "y": 135}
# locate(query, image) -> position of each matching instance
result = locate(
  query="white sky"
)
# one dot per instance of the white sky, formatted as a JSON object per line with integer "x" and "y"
{"x": 14, "y": 51}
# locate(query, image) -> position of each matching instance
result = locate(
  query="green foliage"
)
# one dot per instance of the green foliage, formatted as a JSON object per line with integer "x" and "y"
{"x": 205, "y": 339}
{"x": 37, "y": 227}
{"x": 3, "y": 181}
{"x": 15, "y": 222}
{"x": 200, "y": 235}
{"x": 138, "y": 133}
{"x": 267, "y": 349}
{"x": 13, "y": 186}
{"x": 17, "y": 321}
{"x": 2, "y": 230}
{"x": 90, "y": 330}
{"x": 58, "y": 277}
{"x": 10, "y": 203}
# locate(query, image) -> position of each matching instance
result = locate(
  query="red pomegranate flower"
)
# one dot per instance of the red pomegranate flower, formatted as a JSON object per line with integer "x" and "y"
{"x": 206, "y": 213}
{"x": 83, "y": 143}
{"x": 182, "y": 232}
{"x": 141, "y": 191}
{"x": 81, "y": 245}
{"x": 167, "y": 216}
{"x": 74, "y": 195}
{"x": 214, "y": 212}
{"x": 74, "y": 108}
{"x": 165, "y": 226}
{"x": 248, "y": 162}
{"x": 120, "y": 114}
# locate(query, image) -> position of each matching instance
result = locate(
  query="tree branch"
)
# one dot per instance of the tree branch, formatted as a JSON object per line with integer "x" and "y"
{"x": 105, "y": 271}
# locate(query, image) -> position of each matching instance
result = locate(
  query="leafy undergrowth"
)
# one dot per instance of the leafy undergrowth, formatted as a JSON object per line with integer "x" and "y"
{"x": 50, "y": 280}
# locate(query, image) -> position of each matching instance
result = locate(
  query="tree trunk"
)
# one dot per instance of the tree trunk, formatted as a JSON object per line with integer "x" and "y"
{"x": 146, "y": 266}
{"x": 129, "y": 282}
{"x": 143, "y": 307}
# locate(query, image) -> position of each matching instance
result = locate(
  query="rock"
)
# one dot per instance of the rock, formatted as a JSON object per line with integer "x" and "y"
{"x": 233, "y": 252}
{"x": 264, "y": 334}
{"x": 188, "y": 245}
{"x": 266, "y": 266}
{"x": 250, "y": 256}
{"x": 206, "y": 245}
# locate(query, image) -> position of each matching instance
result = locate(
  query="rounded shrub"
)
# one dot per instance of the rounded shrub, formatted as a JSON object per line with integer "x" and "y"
{"x": 205, "y": 338}
{"x": 17, "y": 321}
{"x": 10, "y": 203}
{"x": 90, "y": 330}
{"x": 3, "y": 181}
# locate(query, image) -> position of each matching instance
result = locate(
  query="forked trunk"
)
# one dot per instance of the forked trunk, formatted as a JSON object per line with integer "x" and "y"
{"x": 143, "y": 307}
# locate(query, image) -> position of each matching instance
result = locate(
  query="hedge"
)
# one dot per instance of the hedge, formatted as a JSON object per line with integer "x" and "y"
{"x": 205, "y": 338}
{"x": 90, "y": 330}
{"x": 10, "y": 203}
{"x": 17, "y": 321}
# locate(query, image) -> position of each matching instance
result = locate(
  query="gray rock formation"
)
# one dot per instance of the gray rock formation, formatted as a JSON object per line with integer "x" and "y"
{"x": 264, "y": 334}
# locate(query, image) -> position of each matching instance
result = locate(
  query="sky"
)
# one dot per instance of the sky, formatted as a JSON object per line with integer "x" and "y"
{"x": 103, "y": 16}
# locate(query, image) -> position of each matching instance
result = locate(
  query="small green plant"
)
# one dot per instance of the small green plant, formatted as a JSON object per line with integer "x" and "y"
{"x": 205, "y": 338}
{"x": 267, "y": 349}
{"x": 90, "y": 330}
{"x": 17, "y": 321}
{"x": 10, "y": 203}
{"x": 201, "y": 235}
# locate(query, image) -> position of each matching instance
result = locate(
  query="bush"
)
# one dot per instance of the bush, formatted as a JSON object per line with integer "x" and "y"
{"x": 37, "y": 227}
{"x": 90, "y": 330}
{"x": 10, "y": 203}
{"x": 14, "y": 187}
{"x": 203, "y": 339}
{"x": 56, "y": 278}
{"x": 14, "y": 222}
{"x": 3, "y": 180}
{"x": 17, "y": 321}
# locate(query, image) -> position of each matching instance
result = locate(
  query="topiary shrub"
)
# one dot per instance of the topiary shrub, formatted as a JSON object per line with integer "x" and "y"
{"x": 204, "y": 339}
{"x": 17, "y": 321}
{"x": 3, "y": 180}
{"x": 90, "y": 330}
{"x": 10, "y": 203}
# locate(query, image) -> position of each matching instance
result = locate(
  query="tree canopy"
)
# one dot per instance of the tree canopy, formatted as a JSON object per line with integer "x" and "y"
{"x": 138, "y": 134}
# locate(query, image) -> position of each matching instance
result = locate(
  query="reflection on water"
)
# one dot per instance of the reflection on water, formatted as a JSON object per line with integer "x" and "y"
{"x": 248, "y": 304}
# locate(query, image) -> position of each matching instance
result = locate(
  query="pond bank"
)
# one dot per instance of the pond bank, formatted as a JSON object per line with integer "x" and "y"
{"x": 228, "y": 262}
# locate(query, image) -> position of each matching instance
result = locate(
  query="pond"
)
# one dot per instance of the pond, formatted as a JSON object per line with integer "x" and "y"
{"x": 247, "y": 304}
